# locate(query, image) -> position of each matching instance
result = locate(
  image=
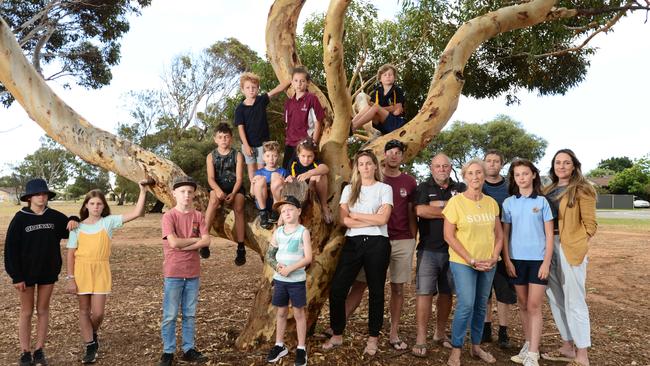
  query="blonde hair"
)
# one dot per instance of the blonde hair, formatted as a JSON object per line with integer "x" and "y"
{"x": 385, "y": 68}
{"x": 577, "y": 182}
{"x": 248, "y": 76}
{"x": 271, "y": 146}
{"x": 355, "y": 182}
{"x": 466, "y": 166}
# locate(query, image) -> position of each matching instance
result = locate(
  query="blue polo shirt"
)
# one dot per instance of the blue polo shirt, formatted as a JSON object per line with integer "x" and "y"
{"x": 527, "y": 216}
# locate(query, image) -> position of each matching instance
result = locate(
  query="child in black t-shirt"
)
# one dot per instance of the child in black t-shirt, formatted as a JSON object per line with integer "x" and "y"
{"x": 33, "y": 261}
{"x": 250, "y": 119}
{"x": 386, "y": 112}
{"x": 305, "y": 168}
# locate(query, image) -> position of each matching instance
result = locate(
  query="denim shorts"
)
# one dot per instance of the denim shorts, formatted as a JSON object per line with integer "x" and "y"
{"x": 285, "y": 291}
{"x": 258, "y": 152}
{"x": 432, "y": 273}
{"x": 527, "y": 273}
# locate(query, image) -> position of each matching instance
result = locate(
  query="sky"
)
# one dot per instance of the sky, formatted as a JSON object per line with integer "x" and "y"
{"x": 604, "y": 116}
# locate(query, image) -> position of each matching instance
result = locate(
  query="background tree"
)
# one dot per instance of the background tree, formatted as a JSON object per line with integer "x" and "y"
{"x": 528, "y": 69}
{"x": 50, "y": 161}
{"x": 463, "y": 141}
{"x": 616, "y": 164}
{"x": 74, "y": 39}
{"x": 88, "y": 177}
{"x": 634, "y": 180}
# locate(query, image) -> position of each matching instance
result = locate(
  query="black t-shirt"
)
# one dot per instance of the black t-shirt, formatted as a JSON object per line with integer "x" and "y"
{"x": 395, "y": 95}
{"x": 431, "y": 230}
{"x": 32, "y": 247}
{"x": 295, "y": 168}
{"x": 253, "y": 117}
{"x": 554, "y": 202}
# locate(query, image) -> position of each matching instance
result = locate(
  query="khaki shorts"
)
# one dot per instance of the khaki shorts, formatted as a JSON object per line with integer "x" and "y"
{"x": 401, "y": 262}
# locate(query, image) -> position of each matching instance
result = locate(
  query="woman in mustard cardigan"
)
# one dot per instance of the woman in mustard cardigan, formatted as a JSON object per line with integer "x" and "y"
{"x": 574, "y": 201}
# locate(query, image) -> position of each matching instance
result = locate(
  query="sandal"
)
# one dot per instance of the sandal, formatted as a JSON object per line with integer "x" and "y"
{"x": 419, "y": 350}
{"x": 398, "y": 344}
{"x": 371, "y": 348}
{"x": 483, "y": 356}
{"x": 330, "y": 345}
{"x": 444, "y": 342}
{"x": 556, "y": 355}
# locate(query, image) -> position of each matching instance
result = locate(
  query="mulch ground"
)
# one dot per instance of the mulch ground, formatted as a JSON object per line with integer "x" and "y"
{"x": 618, "y": 287}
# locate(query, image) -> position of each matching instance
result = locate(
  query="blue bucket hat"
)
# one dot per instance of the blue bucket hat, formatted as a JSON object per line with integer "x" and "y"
{"x": 36, "y": 186}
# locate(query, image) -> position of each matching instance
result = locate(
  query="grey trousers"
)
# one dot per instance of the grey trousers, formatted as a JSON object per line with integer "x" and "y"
{"x": 567, "y": 297}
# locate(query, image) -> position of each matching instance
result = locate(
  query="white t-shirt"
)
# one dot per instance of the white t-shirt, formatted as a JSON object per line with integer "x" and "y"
{"x": 370, "y": 200}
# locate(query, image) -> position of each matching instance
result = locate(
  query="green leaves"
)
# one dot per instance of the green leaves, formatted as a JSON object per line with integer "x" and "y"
{"x": 463, "y": 141}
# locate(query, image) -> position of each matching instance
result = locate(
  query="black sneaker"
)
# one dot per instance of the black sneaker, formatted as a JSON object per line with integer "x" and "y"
{"x": 240, "y": 260}
{"x": 301, "y": 357}
{"x": 504, "y": 341}
{"x": 166, "y": 359}
{"x": 25, "y": 359}
{"x": 96, "y": 340}
{"x": 276, "y": 353}
{"x": 91, "y": 353}
{"x": 204, "y": 252}
{"x": 264, "y": 220}
{"x": 274, "y": 216}
{"x": 39, "y": 358}
{"x": 487, "y": 333}
{"x": 194, "y": 356}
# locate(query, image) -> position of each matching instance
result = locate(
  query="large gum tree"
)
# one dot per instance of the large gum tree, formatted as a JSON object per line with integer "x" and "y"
{"x": 129, "y": 160}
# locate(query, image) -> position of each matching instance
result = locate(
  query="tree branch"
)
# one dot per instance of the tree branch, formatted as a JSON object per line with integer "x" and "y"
{"x": 448, "y": 80}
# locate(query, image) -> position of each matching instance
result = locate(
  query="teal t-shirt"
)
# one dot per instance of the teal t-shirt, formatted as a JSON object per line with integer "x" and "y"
{"x": 290, "y": 250}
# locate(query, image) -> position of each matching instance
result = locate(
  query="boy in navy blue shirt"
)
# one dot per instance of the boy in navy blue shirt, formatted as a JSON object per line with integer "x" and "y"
{"x": 386, "y": 112}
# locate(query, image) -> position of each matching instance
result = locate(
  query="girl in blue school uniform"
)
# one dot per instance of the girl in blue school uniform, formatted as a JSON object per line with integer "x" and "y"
{"x": 527, "y": 251}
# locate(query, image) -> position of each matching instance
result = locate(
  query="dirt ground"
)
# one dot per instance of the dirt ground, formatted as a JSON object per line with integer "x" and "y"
{"x": 618, "y": 297}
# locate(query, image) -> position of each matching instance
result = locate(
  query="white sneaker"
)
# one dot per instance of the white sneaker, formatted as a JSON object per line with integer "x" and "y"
{"x": 531, "y": 359}
{"x": 521, "y": 356}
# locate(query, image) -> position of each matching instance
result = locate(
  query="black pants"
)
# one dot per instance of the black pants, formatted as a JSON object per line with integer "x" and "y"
{"x": 372, "y": 253}
{"x": 289, "y": 153}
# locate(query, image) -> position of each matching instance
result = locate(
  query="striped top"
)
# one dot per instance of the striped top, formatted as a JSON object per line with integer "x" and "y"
{"x": 290, "y": 250}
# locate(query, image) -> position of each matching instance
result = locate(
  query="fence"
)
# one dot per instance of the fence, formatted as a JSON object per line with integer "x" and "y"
{"x": 618, "y": 201}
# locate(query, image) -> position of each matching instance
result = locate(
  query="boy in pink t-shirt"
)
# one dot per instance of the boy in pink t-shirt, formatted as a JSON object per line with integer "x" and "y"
{"x": 184, "y": 233}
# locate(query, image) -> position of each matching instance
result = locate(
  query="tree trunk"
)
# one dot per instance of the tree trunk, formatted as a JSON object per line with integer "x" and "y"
{"x": 129, "y": 160}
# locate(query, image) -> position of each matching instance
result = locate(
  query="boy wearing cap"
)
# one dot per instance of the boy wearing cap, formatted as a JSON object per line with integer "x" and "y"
{"x": 288, "y": 254}
{"x": 184, "y": 233}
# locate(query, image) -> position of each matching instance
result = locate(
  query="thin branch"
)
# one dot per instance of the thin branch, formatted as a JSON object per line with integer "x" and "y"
{"x": 605, "y": 28}
{"x": 362, "y": 60}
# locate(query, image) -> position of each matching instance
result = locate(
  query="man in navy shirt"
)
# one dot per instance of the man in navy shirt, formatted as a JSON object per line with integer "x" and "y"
{"x": 496, "y": 187}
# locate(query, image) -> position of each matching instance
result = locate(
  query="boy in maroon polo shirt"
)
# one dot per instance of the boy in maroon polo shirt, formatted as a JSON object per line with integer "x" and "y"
{"x": 303, "y": 115}
{"x": 184, "y": 232}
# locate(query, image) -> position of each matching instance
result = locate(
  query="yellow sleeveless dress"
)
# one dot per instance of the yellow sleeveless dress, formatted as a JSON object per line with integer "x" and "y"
{"x": 92, "y": 270}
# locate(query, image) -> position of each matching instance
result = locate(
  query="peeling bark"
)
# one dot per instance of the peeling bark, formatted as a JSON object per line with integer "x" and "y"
{"x": 122, "y": 157}
{"x": 447, "y": 84}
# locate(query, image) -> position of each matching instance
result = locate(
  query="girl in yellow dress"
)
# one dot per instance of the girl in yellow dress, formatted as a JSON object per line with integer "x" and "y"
{"x": 89, "y": 272}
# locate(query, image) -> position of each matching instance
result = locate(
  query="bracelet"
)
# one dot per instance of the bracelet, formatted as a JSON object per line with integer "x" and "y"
{"x": 69, "y": 277}
{"x": 472, "y": 262}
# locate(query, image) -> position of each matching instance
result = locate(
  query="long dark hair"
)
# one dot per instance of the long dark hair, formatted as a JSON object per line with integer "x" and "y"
{"x": 576, "y": 182}
{"x": 513, "y": 188}
{"x": 83, "y": 212}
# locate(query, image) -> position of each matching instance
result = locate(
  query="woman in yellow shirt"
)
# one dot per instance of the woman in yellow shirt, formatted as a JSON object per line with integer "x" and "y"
{"x": 473, "y": 231}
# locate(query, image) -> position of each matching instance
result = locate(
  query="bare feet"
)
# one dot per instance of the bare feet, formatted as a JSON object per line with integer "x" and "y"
{"x": 484, "y": 356}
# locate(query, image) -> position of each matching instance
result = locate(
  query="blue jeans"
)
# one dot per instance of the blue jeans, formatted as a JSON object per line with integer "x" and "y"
{"x": 178, "y": 293}
{"x": 472, "y": 290}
